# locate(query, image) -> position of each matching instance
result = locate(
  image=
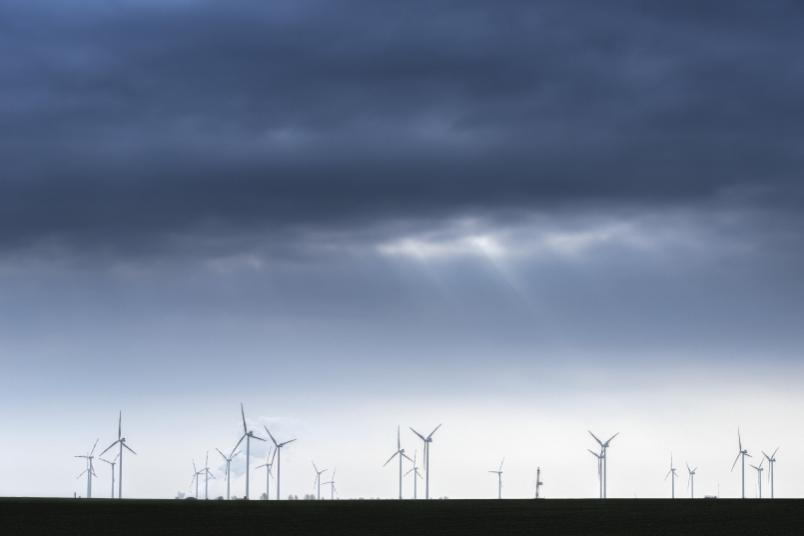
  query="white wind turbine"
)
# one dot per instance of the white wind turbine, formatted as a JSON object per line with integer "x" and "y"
{"x": 400, "y": 452}
{"x": 759, "y": 470}
{"x": 228, "y": 461}
{"x": 741, "y": 453}
{"x": 599, "y": 471}
{"x": 771, "y": 462}
{"x": 427, "y": 440}
{"x": 604, "y": 447}
{"x": 207, "y": 475}
{"x": 195, "y": 479}
{"x": 90, "y": 470}
{"x": 269, "y": 463}
{"x": 278, "y": 459}
{"x": 317, "y": 481}
{"x": 248, "y": 435}
{"x": 112, "y": 464}
{"x": 416, "y": 475}
{"x": 331, "y": 486}
{"x": 691, "y": 480}
{"x": 121, "y": 441}
{"x": 672, "y": 472}
{"x": 539, "y": 482}
{"x": 499, "y": 473}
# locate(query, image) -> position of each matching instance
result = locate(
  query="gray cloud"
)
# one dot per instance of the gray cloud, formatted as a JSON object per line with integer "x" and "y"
{"x": 131, "y": 126}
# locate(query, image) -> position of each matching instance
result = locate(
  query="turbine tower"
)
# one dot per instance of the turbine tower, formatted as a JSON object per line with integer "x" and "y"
{"x": 759, "y": 470}
{"x": 672, "y": 472}
{"x": 771, "y": 461}
{"x": 741, "y": 453}
{"x": 278, "y": 447}
{"x": 228, "y": 461}
{"x": 269, "y": 463}
{"x": 427, "y": 440}
{"x": 90, "y": 470}
{"x": 112, "y": 463}
{"x": 416, "y": 475}
{"x": 604, "y": 447}
{"x": 539, "y": 482}
{"x": 599, "y": 471}
{"x": 691, "y": 480}
{"x": 499, "y": 473}
{"x": 400, "y": 452}
{"x": 248, "y": 435}
{"x": 317, "y": 481}
{"x": 331, "y": 486}
{"x": 121, "y": 441}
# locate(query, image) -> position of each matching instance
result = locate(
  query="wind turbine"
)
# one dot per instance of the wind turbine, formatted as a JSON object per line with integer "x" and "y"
{"x": 416, "y": 476}
{"x": 195, "y": 479}
{"x": 248, "y": 435}
{"x": 400, "y": 452}
{"x": 604, "y": 447}
{"x": 121, "y": 441}
{"x": 112, "y": 463}
{"x": 228, "y": 460}
{"x": 278, "y": 459}
{"x": 427, "y": 440}
{"x": 771, "y": 461}
{"x": 741, "y": 452}
{"x": 90, "y": 470}
{"x": 691, "y": 480}
{"x": 207, "y": 475}
{"x": 599, "y": 471}
{"x": 539, "y": 482}
{"x": 499, "y": 473}
{"x": 672, "y": 472}
{"x": 269, "y": 462}
{"x": 759, "y": 470}
{"x": 318, "y": 473}
{"x": 331, "y": 486}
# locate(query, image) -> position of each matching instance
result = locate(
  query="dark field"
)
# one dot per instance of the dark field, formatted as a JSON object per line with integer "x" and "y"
{"x": 581, "y": 517}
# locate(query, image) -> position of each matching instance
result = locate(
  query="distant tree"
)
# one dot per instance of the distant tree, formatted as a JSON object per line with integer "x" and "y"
{"x": 264, "y": 497}
{"x": 219, "y": 498}
{"x": 293, "y": 497}
{"x": 180, "y": 495}
{"x": 309, "y": 497}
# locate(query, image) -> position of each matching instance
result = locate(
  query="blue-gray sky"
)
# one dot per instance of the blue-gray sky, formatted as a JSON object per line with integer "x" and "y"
{"x": 502, "y": 210}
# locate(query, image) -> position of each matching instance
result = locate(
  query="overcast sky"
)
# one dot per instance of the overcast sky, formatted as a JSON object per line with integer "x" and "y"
{"x": 522, "y": 219}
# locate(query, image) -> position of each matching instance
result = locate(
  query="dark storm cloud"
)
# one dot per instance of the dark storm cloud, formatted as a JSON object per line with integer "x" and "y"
{"x": 130, "y": 123}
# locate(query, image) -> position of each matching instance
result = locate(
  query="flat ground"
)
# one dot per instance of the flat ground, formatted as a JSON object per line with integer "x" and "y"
{"x": 19, "y": 517}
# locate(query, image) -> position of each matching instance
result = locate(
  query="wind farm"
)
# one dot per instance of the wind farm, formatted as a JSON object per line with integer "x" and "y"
{"x": 513, "y": 268}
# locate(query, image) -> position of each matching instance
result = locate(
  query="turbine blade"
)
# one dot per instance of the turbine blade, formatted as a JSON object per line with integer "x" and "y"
{"x": 612, "y": 437}
{"x": 287, "y": 442}
{"x": 222, "y": 454}
{"x": 774, "y": 452}
{"x": 120, "y": 425}
{"x": 238, "y": 442}
{"x": 93, "y": 447}
{"x": 107, "y": 448}
{"x": 243, "y": 415}
{"x": 391, "y": 458}
{"x": 596, "y": 438}
{"x": 273, "y": 439}
{"x": 434, "y": 431}
{"x": 129, "y": 448}
{"x": 735, "y": 461}
{"x": 418, "y": 434}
